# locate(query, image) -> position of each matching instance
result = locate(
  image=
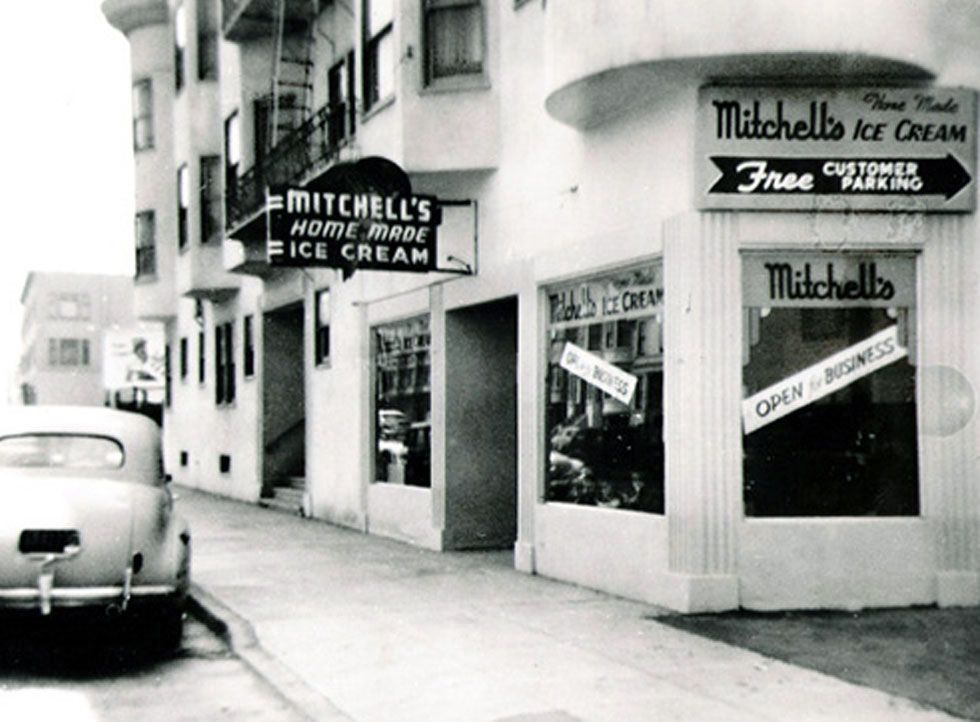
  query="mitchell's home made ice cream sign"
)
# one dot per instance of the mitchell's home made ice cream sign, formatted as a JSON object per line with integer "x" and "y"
{"x": 868, "y": 148}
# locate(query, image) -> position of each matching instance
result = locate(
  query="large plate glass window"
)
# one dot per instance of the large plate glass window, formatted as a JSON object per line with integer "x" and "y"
{"x": 829, "y": 385}
{"x": 604, "y": 405}
{"x": 403, "y": 402}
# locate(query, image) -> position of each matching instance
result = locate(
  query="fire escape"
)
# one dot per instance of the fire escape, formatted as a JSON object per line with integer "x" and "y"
{"x": 299, "y": 141}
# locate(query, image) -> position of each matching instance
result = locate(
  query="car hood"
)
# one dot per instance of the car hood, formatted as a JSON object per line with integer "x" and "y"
{"x": 114, "y": 519}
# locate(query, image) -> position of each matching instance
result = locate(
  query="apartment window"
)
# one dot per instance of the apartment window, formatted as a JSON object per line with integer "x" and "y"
{"x": 184, "y": 360}
{"x": 210, "y": 198}
{"x": 453, "y": 39}
{"x": 340, "y": 96}
{"x": 146, "y": 244}
{"x": 167, "y": 381}
{"x": 184, "y": 458}
{"x": 829, "y": 412}
{"x": 403, "y": 402}
{"x": 224, "y": 463}
{"x": 233, "y": 155}
{"x": 224, "y": 364}
{"x": 379, "y": 51}
{"x": 248, "y": 346}
{"x": 207, "y": 39}
{"x": 200, "y": 358}
{"x": 321, "y": 318}
{"x": 142, "y": 114}
{"x": 180, "y": 44}
{"x": 605, "y": 449}
{"x": 68, "y": 352}
{"x": 70, "y": 306}
{"x": 183, "y": 205}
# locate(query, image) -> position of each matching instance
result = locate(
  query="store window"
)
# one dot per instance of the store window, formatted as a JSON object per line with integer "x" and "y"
{"x": 321, "y": 320}
{"x": 453, "y": 40}
{"x": 604, "y": 405}
{"x": 403, "y": 402}
{"x": 829, "y": 385}
{"x": 379, "y": 51}
{"x": 143, "y": 114}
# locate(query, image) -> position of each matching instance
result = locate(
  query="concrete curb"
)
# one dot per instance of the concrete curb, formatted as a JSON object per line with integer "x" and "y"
{"x": 240, "y": 636}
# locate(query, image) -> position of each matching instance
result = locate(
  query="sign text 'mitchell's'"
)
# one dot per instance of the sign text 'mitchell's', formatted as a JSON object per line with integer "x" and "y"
{"x": 353, "y": 206}
{"x": 735, "y": 121}
{"x": 787, "y": 283}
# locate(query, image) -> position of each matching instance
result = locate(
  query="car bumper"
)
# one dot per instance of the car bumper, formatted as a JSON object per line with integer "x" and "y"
{"x": 73, "y": 597}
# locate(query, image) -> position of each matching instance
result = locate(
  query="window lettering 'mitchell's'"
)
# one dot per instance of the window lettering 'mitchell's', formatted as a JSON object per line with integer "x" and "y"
{"x": 787, "y": 283}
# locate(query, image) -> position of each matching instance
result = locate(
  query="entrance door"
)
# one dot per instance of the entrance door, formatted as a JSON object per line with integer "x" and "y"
{"x": 481, "y": 426}
{"x": 283, "y": 404}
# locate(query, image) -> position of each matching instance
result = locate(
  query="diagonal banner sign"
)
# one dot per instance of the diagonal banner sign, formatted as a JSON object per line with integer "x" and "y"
{"x": 822, "y": 379}
{"x": 597, "y": 371}
{"x": 939, "y": 176}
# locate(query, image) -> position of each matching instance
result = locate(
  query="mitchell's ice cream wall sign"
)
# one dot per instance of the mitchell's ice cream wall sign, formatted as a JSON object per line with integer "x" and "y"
{"x": 822, "y": 379}
{"x": 878, "y": 148}
{"x": 623, "y": 297}
{"x": 822, "y": 280}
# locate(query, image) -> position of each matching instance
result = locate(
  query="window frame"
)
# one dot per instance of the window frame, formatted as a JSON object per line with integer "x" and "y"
{"x": 145, "y": 243}
{"x": 224, "y": 364}
{"x": 458, "y": 80}
{"x": 232, "y": 156}
{"x": 321, "y": 331}
{"x": 209, "y": 198}
{"x": 180, "y": 45}
{"x": 374, "y": 96}
{"x": 183, "y": 206}
{"x": 143, "y": 117}
{"x": 184, "y": 359}
{"x": 207, "y": 40}
{"x": 248, "y": 346}
{"x": 201, "y": 358}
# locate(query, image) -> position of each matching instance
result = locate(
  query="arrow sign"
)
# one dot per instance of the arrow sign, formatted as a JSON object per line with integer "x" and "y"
{"x": 746, "y": 175}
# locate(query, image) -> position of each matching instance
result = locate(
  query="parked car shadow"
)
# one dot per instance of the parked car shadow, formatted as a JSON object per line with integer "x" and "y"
{"x": 76, "y": 647}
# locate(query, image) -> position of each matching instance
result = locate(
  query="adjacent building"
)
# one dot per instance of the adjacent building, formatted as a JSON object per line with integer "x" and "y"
{"x": 698, "y": 326}
{"x": 64, "y": 318}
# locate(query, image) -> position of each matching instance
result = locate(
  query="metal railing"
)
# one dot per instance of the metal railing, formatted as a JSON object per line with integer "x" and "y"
{"x": 309, "y": 146}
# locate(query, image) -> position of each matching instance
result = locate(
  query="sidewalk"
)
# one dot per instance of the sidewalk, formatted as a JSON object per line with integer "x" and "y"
{"x": 353, "y": 627}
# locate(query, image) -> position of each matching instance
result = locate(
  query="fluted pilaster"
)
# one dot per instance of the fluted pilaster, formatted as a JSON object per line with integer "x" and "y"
{"x": 948, "y": 405}
{"x": 702, "y": 393}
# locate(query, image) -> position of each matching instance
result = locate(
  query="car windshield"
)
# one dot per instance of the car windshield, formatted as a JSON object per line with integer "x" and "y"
{"x": 60, "y": 451}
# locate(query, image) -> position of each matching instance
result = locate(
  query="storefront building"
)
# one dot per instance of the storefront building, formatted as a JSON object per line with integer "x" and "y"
{"x": 699, "y": 324}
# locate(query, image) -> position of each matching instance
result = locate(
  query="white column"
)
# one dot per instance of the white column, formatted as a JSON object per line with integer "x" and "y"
{"x": 702, "y": 392}
{"x": 948, "y": 405}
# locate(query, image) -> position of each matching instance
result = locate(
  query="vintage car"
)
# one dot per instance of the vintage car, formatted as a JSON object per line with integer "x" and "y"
{"x": 87, "y": 518}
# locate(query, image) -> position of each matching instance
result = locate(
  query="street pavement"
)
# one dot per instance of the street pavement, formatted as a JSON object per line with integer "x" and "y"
{"x": 354, "y": 627}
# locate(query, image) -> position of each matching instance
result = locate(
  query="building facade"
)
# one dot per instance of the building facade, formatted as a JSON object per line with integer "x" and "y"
{"x": 65, "y": 317}
{"x": 699, "y": 326}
